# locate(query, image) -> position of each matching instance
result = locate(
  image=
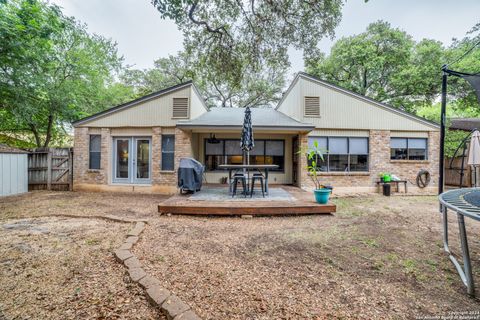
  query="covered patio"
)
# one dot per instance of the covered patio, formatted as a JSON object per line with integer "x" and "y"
{"x": 217, "y": 145}
{"x": 215, "y": 200}
{"x": 215, "y": 141}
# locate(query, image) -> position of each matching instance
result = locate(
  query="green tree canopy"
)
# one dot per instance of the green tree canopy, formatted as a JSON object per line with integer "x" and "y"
{"x": 384, "y": 63}
{"x": 257, "y": 88}
{"x": 51, "y": 70}
{"x": 238, "y": 41}
{"x": 458, "y": 89}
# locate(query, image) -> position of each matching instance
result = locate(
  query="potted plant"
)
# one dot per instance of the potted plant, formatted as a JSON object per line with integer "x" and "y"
{"x": 313, "y": 153}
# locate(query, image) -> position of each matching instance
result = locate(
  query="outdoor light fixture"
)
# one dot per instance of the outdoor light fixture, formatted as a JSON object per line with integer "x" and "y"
{"x": 213, "y": 139}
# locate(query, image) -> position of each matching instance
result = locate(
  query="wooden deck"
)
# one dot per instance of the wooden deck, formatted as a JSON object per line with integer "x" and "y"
{"x": 303, "y": 204}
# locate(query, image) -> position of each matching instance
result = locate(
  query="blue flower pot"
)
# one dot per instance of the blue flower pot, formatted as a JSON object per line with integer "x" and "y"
{"x": 322, "y": 195}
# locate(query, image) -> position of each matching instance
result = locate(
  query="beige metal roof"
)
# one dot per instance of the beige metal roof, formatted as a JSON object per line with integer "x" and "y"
{"x": 266, "y": 118}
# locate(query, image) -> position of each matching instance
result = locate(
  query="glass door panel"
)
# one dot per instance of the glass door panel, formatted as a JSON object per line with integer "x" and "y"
{"x": 132, "y": 159}
{"x": 122, "y": 163}
{"x": 142, "y": 160}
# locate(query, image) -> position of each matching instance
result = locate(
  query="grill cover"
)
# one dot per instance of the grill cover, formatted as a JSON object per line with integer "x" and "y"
{"x": 190, "y": 173}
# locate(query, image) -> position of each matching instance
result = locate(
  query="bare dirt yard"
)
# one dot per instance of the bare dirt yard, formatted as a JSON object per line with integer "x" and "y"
{"x": 377, "y": 258}
{"x": 54, "y": 267}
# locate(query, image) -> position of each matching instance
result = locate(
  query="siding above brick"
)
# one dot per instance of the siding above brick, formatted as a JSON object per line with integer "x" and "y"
{"x": 151, "y": 111}
{"x": 342, "y": 109}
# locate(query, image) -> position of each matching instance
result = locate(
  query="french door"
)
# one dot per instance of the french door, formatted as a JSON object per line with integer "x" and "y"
{"x": 132, "y": 160}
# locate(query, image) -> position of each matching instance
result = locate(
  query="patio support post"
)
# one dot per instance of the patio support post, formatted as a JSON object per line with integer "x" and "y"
{"x": 442, "y": 131}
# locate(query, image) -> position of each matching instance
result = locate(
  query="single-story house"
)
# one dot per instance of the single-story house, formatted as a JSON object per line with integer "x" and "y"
{"x": 136, "y": 146}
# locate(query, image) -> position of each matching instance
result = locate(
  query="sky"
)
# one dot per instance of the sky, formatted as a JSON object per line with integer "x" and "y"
{"x": 142, "y": 36}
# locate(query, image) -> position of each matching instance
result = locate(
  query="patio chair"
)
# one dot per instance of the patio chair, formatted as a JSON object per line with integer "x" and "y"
{"x": 239, "y": 177}
{"x": 259, "y": 177}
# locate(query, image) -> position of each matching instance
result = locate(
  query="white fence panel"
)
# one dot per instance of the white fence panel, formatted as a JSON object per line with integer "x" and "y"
{"x": 13, "y": 173}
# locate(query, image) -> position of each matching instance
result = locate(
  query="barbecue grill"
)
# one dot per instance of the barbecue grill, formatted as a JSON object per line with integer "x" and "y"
{"x": 190, "y": 174}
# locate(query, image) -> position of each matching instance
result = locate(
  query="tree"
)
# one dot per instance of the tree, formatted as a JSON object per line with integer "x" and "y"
{"x": 418, "y": 83}
{"x": 236, "y": 39}
{"x": 385, "y": 64}
{"x": 166, "y": 72}
{"x": 51, "y": 70}
{"x": 371, "y": 63}
{"x": 453, "y": 138}
{"x": 256, "y": 89}
{"x": 458, "y": 89}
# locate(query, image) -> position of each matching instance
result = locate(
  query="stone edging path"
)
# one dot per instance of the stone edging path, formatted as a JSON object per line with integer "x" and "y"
{"x": 161, "y": 298}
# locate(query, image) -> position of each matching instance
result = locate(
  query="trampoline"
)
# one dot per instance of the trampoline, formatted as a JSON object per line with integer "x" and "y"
{"x": 465, "y": 203}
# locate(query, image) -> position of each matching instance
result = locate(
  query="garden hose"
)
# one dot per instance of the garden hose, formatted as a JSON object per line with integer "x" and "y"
{"x": 423, "y": 178}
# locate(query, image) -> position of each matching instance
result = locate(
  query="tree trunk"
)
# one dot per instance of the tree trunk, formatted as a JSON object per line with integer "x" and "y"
{"x": 364, "y": 84}
{"x": 49, "y": 131}
{"x": 36, "y": 135}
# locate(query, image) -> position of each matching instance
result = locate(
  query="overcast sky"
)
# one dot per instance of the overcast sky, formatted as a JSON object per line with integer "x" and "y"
{"x": 143, "y": 36}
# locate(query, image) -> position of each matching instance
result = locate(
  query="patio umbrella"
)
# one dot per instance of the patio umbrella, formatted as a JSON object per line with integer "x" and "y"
{"x": 474, "y": 152}
{"x": 246, "y": 141}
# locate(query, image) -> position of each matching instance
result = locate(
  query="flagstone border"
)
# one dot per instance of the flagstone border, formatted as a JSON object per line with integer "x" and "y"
{"x": 168, "y": 303}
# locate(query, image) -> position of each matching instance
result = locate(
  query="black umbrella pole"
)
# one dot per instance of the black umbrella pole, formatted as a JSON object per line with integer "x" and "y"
{"x": 442, "y": 132}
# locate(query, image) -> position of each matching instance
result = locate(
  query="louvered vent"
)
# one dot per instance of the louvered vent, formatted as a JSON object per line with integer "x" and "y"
{"x": 312, "y": 106}
{"x": 180, "y": 107}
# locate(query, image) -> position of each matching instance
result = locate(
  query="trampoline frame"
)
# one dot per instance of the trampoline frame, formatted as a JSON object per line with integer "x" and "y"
{"x": 454, "y": 200}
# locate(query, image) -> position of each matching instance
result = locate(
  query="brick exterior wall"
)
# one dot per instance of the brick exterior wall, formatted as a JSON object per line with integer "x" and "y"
{"x": 81, "y": 173}
{"x": 166, "y": 181}
{"x": 156, "y": 155}
{"x": 379, "y": 161}
{"x": 99, "y": 180}
{"x": 183, "y": 148}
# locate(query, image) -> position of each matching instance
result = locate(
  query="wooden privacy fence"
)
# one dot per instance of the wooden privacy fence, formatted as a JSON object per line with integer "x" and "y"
{"x": 452, "y": 175}
{"x": 50, "y": 169}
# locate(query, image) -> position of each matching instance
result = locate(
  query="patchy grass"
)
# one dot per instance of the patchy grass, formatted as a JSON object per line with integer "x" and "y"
{"x": 376, "y": 258}
{"x": 371, "y": 243}
{"x": 54, "y": 267}
{"x": 47, "y": 203}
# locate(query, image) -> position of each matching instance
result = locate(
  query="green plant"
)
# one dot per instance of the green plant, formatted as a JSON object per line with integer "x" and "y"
{"x": 410, "y": 266}
{"x": 313, "y": 153}
{"x": 92, "y": 242}
{"x": 371, "y": 243}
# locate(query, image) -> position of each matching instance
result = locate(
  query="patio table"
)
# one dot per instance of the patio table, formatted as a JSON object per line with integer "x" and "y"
{"x": 396, "y": 182}
{"x": 465, "y": 203}
{"x": 247, "y": 167}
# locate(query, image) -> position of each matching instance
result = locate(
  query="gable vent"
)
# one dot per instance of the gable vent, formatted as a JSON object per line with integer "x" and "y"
{"x": 180, "y": 107}
{"x": 312, "y": 106}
